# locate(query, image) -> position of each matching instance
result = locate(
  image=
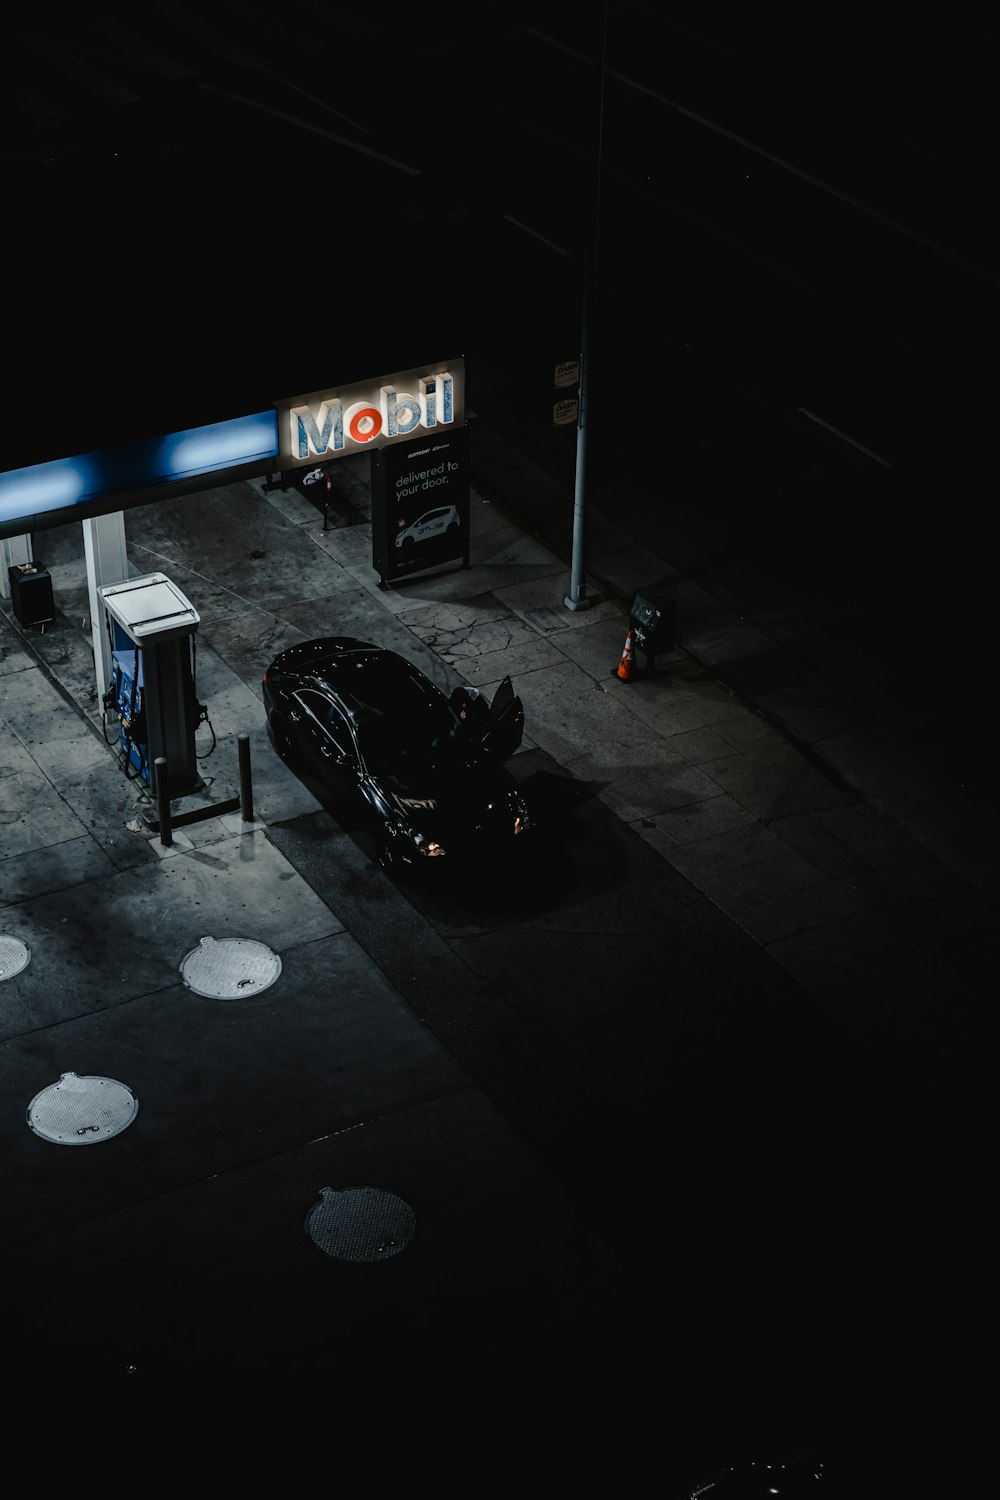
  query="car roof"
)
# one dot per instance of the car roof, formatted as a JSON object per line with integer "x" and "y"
{"x": 332, "y": 663}
{"x": 306, "y": 654}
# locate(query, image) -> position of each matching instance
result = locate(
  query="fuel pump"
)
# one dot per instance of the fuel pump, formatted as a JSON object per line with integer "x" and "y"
{"x": 151, "y": 629}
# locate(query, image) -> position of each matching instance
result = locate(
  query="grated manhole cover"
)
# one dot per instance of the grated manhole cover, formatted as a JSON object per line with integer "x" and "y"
{"x": 545, "y": 619}
{"x": 360, "y": 1224}
{"x": 13, "y": 956}
{"x": 82, "y": 1111}
{"x": 228, "y": 968}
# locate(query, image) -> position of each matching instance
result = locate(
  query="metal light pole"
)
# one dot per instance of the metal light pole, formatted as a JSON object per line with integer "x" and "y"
{"x": 576, "y": 598}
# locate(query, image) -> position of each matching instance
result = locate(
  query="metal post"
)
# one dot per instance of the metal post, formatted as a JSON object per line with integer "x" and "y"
{"x": 576, "y": 599}
{"x": 246, "y": 785}
{"x": 163, "y": 800}
{"x": 106, "y": 552}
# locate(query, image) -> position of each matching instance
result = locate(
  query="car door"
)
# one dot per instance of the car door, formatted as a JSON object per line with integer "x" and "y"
{"x": 506, "y": 727}
{"x": 327, "y": 742}
{"x": 430, "y": 524}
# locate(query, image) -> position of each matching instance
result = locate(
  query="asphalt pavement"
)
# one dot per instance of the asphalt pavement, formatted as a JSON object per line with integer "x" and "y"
{"x": 692, "y": 1100}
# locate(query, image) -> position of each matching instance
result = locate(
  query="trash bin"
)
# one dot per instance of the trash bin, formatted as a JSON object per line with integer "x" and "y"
{"x": 31, "y": 593}
{"x": 653, "y": 618}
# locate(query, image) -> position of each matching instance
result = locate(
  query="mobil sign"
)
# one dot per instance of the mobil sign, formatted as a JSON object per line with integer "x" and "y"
{"x": 372, "y": 414}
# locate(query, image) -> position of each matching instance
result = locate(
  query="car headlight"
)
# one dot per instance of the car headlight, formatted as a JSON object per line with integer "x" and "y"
{"x": 430, "y": 847}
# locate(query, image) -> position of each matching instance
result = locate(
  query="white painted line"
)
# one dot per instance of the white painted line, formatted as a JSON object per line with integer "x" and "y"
{"x": 329, "y": 135}
{"x": 321, "y": 103}
{"x": 535, "y": 235}
{"x": 844, "y": 438}
{"x": 777, "y": 161}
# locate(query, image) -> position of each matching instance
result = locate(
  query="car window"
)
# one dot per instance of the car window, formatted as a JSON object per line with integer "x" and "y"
{"x": 403, "y": 748}
{"x": 329, "y": 716}
{"x": 388, "y": 685}
{"x": 402, "y": 721}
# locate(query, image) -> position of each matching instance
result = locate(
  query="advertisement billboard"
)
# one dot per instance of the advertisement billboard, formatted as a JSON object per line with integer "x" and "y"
{"x": 420, "y": 505}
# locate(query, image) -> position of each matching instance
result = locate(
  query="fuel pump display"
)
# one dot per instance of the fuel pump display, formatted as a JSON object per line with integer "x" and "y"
{"x": 125, "y": 697}
{"x": 152, "y": 692}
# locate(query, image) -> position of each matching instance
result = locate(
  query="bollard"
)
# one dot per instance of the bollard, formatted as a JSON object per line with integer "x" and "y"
{"x": 163, "y": 800}
{"x": 246, "y": 785}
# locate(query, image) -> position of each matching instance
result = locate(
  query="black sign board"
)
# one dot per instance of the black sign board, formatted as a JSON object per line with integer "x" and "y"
{"x": 653, "y": 617}
{"x": 420, "y": 504}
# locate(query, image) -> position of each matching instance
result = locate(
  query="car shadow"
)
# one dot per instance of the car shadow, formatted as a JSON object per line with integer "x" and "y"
{"x": 574, "y": 849}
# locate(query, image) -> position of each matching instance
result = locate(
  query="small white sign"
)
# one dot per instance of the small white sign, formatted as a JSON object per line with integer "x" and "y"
{"x": 564, "y": 412}
{"x": 568, "y": 373}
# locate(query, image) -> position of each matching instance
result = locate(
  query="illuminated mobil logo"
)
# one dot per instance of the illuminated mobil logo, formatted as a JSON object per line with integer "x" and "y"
{"x": 315, "y": 431}
{"x": 323, "y": 425}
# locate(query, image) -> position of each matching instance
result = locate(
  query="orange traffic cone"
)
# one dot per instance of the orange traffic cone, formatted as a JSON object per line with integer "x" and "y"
{"x": 626, "y": 667}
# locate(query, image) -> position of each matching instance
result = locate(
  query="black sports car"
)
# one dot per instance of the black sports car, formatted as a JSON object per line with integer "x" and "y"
{"x": 792, "y": 1478}
{"x": 425, "y": 771}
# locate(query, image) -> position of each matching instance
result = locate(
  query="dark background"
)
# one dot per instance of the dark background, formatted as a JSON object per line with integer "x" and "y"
{"x": 214, "y": 206}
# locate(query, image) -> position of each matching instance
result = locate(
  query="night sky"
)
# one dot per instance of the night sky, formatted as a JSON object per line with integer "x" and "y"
{"x": 214, "y": 207}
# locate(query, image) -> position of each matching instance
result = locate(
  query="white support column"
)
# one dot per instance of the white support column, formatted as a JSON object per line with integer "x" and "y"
{"x": 107, "y": 562}
{"x": 13, "y": 550}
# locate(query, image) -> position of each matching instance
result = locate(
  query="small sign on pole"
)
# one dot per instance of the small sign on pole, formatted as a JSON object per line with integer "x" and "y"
{"x": 566, "y": 373}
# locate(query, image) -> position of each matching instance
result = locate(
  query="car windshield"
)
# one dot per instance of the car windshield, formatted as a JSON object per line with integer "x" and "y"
{"x": 404, "y": 749}
{"x": 405, "y": 726}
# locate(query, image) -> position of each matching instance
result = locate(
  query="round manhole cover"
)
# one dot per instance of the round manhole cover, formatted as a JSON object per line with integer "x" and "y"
{"x": 360, "y": 1224}
{"x": 82, "y": 1111}
{"x": 13, "y": 956}
{"x": 228, "y": 968}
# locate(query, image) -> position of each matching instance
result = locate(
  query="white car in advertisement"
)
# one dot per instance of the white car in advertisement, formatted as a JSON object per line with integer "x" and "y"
{"x": 432, "y": 523}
